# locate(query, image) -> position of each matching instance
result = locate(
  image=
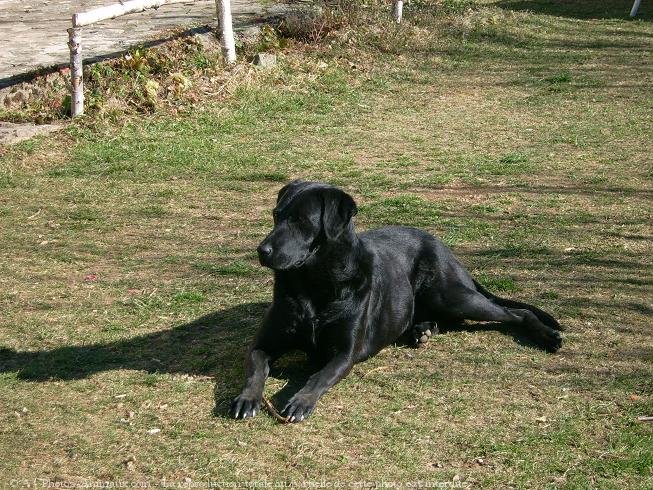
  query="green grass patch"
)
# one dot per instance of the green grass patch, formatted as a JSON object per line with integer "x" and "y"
{"x": 498, "y": 284}
{"x": 401, "y": 210}
{"x": 235, "y": 268}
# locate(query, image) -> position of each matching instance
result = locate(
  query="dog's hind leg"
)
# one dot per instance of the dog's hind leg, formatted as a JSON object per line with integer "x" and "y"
{"x": 543, "y": 316}
{"x": 422, "y": 332}
{"x": 472, "y": 305}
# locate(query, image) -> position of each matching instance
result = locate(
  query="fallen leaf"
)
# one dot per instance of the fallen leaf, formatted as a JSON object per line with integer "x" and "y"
{"x": 130, "y": 463}
{"x": 128, "y": 418}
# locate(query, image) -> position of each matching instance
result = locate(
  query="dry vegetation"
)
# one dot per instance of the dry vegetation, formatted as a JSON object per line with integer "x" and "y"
{"x": 517, "y": 131}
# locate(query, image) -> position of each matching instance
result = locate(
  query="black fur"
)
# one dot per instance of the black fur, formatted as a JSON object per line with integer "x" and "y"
{"x": 342, "y": 296}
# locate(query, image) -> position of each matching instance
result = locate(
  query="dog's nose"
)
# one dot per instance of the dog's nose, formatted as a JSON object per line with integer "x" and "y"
{"x": 264, "y": 250}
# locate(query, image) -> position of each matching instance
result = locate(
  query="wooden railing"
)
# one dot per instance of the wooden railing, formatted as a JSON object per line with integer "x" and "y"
{"x": 223, "y": 8}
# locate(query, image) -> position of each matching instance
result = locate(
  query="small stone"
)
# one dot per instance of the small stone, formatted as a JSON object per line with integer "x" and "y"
{"x": 265, "y": 60}
{"x": 249, "y": 34}
{"x": 20, "y": 97}
{"x": 427, "y": 333}
{"x": 423, "y": 338}
{"x": 207, "y": 40}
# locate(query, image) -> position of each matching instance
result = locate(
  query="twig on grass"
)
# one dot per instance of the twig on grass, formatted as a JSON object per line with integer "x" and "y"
{"x": 273, "y": 411}
{"x": 380, "y": 368}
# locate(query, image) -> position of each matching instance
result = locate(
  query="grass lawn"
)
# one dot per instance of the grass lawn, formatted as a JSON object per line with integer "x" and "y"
{"x": 518, "y": 131}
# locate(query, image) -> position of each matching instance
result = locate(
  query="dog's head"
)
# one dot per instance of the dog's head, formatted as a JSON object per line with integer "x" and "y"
{"x": 308, "y": 216}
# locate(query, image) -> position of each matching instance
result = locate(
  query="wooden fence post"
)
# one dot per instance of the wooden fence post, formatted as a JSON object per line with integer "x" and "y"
{"x": 76, "y": 72}
{"x": 226, "y": 30}
{"x": 398, "y": 10}
{"x": 633, "y": 11}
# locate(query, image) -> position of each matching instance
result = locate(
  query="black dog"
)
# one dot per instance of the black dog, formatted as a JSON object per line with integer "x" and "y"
{"x": 342, "y": 297}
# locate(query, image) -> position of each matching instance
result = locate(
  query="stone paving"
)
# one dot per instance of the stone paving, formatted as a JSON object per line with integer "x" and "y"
{"x": 13, "y": 133}
{"x": 33, "y": 32}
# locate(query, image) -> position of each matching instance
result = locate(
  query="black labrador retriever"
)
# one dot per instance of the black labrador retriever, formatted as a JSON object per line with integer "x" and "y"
{"x": 342, "y": 296}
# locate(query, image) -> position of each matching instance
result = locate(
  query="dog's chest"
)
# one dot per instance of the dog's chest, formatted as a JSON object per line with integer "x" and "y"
{"x": 306, "y": 323}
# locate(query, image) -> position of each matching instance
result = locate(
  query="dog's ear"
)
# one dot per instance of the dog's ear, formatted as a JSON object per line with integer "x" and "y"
{"x": 291, "y": 187}
{"x": 337, "y": 211}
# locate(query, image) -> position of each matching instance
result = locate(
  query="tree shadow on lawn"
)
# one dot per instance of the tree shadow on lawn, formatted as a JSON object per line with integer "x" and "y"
{"x": 577, "y": 9}
{"x": 212, "y": 345}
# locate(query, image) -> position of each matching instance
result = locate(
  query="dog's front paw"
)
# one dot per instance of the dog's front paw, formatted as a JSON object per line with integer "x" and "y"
{"x": 299, "y": 407}
{"x": 244, "y": 406}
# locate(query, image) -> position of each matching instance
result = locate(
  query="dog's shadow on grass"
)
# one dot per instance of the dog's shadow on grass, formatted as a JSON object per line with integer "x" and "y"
{"x": 212, "y": 345}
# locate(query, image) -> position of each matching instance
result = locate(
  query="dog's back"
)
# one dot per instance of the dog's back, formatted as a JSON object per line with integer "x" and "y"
{"x": 417, "y": 253}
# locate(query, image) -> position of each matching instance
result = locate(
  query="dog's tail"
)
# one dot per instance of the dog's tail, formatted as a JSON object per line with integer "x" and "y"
{"x": 541, "y": 315}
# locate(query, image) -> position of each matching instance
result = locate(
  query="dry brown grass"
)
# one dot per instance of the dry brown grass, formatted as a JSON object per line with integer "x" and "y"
{"x": 532, "y": 160}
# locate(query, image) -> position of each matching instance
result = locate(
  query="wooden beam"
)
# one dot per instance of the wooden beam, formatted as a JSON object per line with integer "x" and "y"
{"x": 226, "y": 30}
{"x": 398, "y": 10}
{"x": 76, "y": 72}
{"x": 118, "y": 9}
{"x": 633, "y": 11}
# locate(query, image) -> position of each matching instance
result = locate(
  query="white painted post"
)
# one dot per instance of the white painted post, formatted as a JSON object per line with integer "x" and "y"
{"x": 226, "y": 30}
{"x": 633, "y": 11}
{"x": 398, "y": 10}
{"x": 118, "y": 9}
{"x": 76, "y": 72}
